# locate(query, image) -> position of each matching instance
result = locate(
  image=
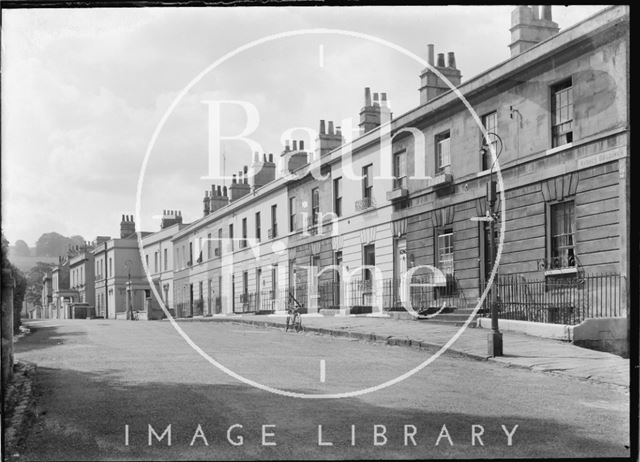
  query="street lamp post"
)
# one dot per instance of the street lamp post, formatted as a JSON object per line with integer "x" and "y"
{"x": 494, "y": 339}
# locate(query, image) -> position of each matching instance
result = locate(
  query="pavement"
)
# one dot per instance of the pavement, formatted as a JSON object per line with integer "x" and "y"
{"x": 519, "y": 350}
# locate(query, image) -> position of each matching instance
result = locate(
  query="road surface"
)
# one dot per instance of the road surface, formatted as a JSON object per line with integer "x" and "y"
{"x": 106, "y": 389}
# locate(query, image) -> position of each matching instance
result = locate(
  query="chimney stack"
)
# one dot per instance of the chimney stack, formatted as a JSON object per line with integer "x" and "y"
{"x": 327, "y": 141}
{"x": 240, "y": 187}
{"x": 375, "y": 113}
{"x": 546, "y": 13}
{"x": 216, "y": 199}
{"x": 292, "y": 160}
{"x": 529, "y": 28}
{"x": 431, "y": 85}
{"x": 205, "y": 201}
{"x": 451, "y": 60}
{"x": 170, "y": 218}
{"x": 127, "y": 227}
{"x": 262, "y": 172}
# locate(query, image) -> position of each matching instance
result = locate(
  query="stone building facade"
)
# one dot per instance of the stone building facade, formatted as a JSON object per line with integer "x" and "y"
{"x": 411, "y": 190}
{"x": 159, "y": 255}
{"x": 120, "y": 279}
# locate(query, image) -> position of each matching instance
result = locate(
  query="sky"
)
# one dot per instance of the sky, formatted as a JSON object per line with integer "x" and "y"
{"x": 84, "y": 90}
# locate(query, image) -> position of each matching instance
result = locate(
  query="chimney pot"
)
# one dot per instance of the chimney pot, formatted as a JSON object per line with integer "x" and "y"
{"x": 451, "y": 57}
{"x": 270, "y": 157}
{"x": 440, "y": 59}
{"x": 322, "y": 126}
{"x": 264, "y": 157}
{"x": 430, "y": 51}
{"x": 295, "y": 145}
{"x": 233, "y": 180}
{"x": 546, "y": 12}
{"x": 367, "y": 96}
{"x": 224, "y": 191}
{"x": 535, "y": 11}
{"x": 301, "y": 145}
{"x": 330, "y": 132}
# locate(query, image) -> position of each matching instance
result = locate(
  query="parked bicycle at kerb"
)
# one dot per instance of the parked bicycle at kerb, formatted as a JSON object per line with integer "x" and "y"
{"x": 294, "y": 319}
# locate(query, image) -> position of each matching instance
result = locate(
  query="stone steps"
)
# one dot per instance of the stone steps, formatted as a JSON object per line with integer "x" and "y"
{"x": 456, "y": 317}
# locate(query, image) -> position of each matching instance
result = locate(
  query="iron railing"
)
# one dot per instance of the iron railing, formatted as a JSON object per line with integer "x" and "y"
{"x": 363, "y": 295}
{"x": 567, "y": 299}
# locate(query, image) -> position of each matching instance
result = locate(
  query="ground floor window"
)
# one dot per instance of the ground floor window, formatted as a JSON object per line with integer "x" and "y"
{"x": 369, "y": 259}
{"x": 560, "y": 241}
{"x": 444, "y": 246}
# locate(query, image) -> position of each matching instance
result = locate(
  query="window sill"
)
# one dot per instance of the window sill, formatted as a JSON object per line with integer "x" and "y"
{"x": 558, "y": 149}
{"x": 555, "y": 272}
{"x": 483, "y": 173}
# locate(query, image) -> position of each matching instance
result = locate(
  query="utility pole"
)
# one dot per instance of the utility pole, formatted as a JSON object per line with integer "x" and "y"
{"x": 494, "y": 340}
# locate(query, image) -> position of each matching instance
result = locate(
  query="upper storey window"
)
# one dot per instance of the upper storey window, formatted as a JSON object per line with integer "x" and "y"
{"x": 562, "y": 113}
{"x": 443, "y": 152}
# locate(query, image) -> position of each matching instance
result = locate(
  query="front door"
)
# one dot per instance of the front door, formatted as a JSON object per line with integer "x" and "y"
{"x": 337, "y": 286}
{"x": 191, "y": 300}
{"x": 258, "y": 277}
{"x": 292, "y": 279}
{"x": 274, "y": 285}
{"x": 400, "y": 268}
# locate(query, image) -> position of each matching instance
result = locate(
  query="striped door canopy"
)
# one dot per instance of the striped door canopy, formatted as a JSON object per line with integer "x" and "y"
{"x": 400, "y": 227}
{"x": 336, "y": 242}
{"x": 443, "y": 216}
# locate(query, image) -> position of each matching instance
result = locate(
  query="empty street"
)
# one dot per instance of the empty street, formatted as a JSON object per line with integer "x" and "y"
{"x": 107, "y": 389}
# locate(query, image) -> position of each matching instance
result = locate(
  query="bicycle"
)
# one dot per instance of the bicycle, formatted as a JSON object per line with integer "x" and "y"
{"x": 294, "y": 319}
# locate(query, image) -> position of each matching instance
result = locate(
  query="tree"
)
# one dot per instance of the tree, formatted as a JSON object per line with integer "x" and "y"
{"x": 18, "y": 297}
{"x": 54, "y": 244}
{"x": 20, "y": 284}
{"x": 51, "y": 245}
{"x": 76, "y": 240}
{"x": 34, "y": 282}
{"x": 21, "y": 249}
